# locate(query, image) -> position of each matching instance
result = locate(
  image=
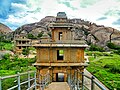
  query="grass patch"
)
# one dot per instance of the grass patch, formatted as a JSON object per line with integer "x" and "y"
{"x": 107, "y": 69}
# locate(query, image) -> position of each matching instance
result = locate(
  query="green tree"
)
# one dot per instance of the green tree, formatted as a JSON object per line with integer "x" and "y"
{"x": 95, "y": 48}
{"x": 40, "y": 34}
{"x": 26, "y": 51}
{"x": 31, "y": 36}
{"x": 6, "y": 56}
{"x": 113, "y": 46}
{"x": 2, "y": 45}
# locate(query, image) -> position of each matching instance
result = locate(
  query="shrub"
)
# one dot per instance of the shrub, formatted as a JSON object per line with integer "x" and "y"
{"x": 117, "y": 51}
{"x": 115, "y": 69}
{"x": 31, "y": 36}
{"x": 26, "y": 51}
{"x": 107, "y": 54}
{"x": 94, "y": 53}
{"x": 40, "y": 34}
{"x": 113, "y": 46}
{"x": 107, "y": 66}
{"x": 96, "y": 48}
{"x": 6, "y": 56}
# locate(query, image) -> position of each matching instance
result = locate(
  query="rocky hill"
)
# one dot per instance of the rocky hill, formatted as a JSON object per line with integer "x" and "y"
{"x": 4, "y": 29}
{"x": 92, "y": 33}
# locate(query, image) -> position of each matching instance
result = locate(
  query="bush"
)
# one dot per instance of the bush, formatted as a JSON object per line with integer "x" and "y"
{"x": 31, "y": 36}
{"x": 26, "y": 51}
{"x": 113, "y": 68}
{"x": 113, "y": 46}
{"x": 6, "y": 56}
{"x": 6, "y": 45}
{"x": 40, "y": 34}
{"x": 117, "y": 51}
{"x": 107, "y": 54}
{"x": 107, "y": 66}
{"x": 96, "y": 48}
{"x": 94, "y": 53}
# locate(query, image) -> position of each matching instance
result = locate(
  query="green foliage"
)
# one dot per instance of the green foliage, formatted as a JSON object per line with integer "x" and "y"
{"x": 96, "y": 53}
{"x": 107, "y": 69}
{"x": 7, "y": 83}
{"x": 6, "y": 56}
{"x": 96, "y": 48}
{"x": 32, "y": 48}
{"x": 10, "y": 66}
{"x": 25, "y": 51}
{"x": 6, "y": 72}
{"x": 117, "y": 51}
{"x": 115, "y": 69}
{"x": 40, "y": 34}
{"x": 108, "y": 66}
{"x": 113, "y": 46}
{"x": 6, "y": 46}
{"x": 15, "y": 64}
{"x": 31, "y": 36}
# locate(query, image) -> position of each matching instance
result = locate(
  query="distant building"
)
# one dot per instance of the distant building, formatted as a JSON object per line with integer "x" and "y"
{"x": 21, "y": 42}
{"x": 61, "y": 55}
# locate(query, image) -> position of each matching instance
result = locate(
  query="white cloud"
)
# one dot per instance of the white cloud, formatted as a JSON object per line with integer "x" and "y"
{"x": 20, "y": 6}
{"x": 34, "y": 10}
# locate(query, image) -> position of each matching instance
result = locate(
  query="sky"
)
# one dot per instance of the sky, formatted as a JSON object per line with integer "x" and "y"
{"x": 15, "y": 13}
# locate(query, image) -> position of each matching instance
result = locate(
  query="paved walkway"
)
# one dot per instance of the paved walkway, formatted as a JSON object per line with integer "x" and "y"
{"x": 58, "y": 86}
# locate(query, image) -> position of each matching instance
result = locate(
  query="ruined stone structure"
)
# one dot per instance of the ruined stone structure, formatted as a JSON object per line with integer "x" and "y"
{"x": 61, "y": 55}
{"x": 21, "y": 42}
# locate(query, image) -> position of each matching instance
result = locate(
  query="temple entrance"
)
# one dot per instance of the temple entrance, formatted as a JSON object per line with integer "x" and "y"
{"x": 59, "y": 77}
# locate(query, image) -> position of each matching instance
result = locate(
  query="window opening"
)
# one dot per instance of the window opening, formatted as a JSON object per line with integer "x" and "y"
{"x": 60, "y": 54}
{"x": 60, "y": 35}
{"x": 19, "y": 47}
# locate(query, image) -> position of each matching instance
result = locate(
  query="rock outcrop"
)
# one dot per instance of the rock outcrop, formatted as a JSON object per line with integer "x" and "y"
{"x": 4, "y": 29}
{"x": 92, "y": 33}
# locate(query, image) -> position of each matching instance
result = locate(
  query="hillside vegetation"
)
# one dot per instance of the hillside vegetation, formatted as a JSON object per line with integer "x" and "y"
{"x": 6, "y": 46}
{"x": 11, "y": 65}
{"x": 106, "y": 67}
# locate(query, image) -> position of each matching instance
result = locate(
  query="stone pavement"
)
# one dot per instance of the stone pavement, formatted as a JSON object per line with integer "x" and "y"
{"x": 58, "y": 86}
